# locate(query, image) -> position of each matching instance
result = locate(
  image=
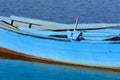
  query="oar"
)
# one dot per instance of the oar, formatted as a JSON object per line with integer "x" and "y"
{"x": 76, "y": 24}
{"x": 101, "y": 27}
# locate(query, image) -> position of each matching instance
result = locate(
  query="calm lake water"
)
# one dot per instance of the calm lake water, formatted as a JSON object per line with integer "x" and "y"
{"x": 62, "y": 11}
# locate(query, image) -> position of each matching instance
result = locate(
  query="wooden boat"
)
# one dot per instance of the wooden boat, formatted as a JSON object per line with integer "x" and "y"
{"x": 95, "y": 46}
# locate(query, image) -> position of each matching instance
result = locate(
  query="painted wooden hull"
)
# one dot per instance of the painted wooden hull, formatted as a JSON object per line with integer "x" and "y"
{"x": 9, "y": 54}
{"x": 101, "y": 54}
{"x": 95, "y": 51}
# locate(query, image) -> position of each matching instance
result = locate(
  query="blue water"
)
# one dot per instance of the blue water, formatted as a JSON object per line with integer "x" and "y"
{"x": 23, "y": 70}
{"x": 62, "y": 11}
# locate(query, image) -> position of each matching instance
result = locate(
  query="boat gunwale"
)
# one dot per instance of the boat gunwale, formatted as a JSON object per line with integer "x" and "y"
{"x": 36, "y": 36}
{"x": 82, "y": 29}
{"x": 16, "y": 30}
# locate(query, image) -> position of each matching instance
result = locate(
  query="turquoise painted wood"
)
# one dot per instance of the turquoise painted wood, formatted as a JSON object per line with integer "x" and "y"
{"x": 99, "y": 34}
{"x": 93, "y": 51}
{"x": 84, "y": 52}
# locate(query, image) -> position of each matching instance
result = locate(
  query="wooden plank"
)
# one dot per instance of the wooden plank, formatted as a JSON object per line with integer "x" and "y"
{"x": 58, "y": 26}
{"x": 46, "y": 24}
{"x": 20, "y": 24}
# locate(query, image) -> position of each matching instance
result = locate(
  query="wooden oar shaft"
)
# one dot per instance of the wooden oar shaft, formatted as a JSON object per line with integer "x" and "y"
{"x": 76, "y": 24}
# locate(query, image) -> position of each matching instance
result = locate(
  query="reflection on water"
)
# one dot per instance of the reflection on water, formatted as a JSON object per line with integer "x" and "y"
{"x": 24, "y": 70}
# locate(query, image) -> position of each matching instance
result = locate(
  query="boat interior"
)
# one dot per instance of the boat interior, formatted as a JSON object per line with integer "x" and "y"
{"x": 57, "y": 31}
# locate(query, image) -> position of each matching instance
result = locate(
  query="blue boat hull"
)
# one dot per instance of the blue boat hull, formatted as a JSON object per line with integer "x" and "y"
{"x": 100, "y": 54}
